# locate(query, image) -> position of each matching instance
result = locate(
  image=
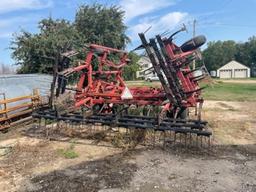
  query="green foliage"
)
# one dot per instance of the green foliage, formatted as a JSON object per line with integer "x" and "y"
{"x": 68, "y": 153}
{"x": 247, "y": 52}
{"x": 102, "y": 25}
{"x": 219, "y": 53}
{"x": 129, "y": 72}
{"x": 37, "y": 53}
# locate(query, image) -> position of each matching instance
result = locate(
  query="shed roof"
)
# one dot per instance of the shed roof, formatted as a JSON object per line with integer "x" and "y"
{"x": 233, "y": 65}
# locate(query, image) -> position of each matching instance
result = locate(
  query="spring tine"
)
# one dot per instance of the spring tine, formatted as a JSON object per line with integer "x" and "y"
{"x": 39, "y": 123}
{"x": 201, "y": 138}
{"x": 164, "y": 142}
{"x": 154, "y": 138}
{"x": 196, "y": 140}
{"x": 170, "y": 137}
{"x": 143, "y": 139}
{"x": 89, "y": 126}
{"x": 185, "y": 140}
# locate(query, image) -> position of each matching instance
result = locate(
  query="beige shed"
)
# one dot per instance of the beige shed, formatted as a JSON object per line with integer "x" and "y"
{"x": 233, "y": 69}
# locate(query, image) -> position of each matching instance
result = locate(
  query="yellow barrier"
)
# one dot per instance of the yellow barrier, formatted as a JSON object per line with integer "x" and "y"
{"x": 8, "y": 115}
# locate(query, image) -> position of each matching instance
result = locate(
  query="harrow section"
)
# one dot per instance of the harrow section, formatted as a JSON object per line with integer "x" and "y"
{"x": 168, "y": 128}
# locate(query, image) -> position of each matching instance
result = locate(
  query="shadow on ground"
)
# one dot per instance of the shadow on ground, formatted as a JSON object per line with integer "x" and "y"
{"x": 110, "y": 172}
{"x": 118, "y": 171}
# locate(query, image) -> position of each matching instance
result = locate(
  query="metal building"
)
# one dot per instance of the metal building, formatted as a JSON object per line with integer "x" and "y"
{"x": 23, "y": 84}
{"x": 233, "y": 69}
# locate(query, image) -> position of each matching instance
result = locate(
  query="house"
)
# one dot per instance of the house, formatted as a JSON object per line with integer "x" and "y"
{"x": 233, "y": 69}
{"x": 146, "y": 68}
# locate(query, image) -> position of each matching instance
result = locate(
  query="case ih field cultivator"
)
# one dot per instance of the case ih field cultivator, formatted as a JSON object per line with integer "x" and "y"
{"x": 101, "y": 96}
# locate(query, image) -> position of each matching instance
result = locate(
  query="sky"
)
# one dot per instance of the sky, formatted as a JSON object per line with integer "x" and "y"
{"x": 216, "y": 19}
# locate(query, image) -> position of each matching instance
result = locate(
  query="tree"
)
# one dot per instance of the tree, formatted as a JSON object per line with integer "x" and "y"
{"x": 38, "y": 53}
{"x": 246, "y": 53}
{"x": 102, "y": 25}
{"x": 130, "y": 70}
{"x": 219, "y": 53}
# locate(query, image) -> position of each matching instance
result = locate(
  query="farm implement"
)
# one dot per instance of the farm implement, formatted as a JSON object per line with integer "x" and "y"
{"x": 101, "y": 96}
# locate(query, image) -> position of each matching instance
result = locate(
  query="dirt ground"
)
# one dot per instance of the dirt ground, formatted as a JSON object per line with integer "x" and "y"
{"x": 35, "y": 164}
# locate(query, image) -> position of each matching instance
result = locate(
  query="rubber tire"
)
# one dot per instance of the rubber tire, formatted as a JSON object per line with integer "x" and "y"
{"x": 193, "y": 43}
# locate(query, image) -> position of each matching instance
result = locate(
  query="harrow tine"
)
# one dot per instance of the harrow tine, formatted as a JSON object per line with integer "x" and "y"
{"x": 39, "y": 122}
{"x": 185, "y": 140}
{"x": 154, "y": 138}
{"x": 164, "y": 141}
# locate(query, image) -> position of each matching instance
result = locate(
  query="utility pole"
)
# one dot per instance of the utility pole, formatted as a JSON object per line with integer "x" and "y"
{"x": 194, "y": 34}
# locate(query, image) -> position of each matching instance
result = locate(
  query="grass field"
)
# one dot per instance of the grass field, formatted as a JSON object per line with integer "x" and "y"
{"x": 230, "y": 91}
{"x": 218, "y": 90}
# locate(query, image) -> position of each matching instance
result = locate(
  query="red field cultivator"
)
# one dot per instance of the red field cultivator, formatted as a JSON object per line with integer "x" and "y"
{"x": 102, "y": 92}
{"x": 101, "y": 81}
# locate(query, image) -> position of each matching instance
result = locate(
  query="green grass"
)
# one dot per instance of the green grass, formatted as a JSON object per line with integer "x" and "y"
{"x": 230, "y": 92}
{"x": 68, "y": 153}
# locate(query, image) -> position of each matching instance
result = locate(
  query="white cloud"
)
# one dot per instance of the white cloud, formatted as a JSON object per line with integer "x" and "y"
{"x": 159, "y": 25}
{"x": 13, "y": 5}
{"x": 135, "y": 8}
